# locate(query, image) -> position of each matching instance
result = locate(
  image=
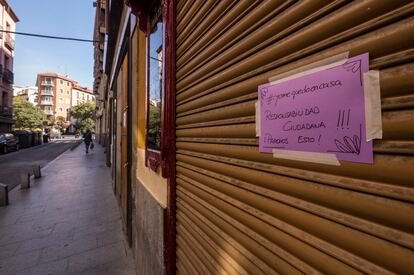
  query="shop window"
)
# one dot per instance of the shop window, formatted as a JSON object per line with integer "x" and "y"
{"x": 155, "y": 86}
{"x": 159, "y": 88}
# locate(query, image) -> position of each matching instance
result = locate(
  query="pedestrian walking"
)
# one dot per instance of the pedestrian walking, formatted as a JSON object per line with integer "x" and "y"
{"x": 87, "y": 138}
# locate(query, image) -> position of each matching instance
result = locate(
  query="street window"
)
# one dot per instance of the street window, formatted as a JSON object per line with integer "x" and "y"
{"x": 60, "y": 99}
{"x": 67, "y": 83}
{"x": 155, "y": 85}
{"x": 159, "y": 99}
{"x": 67, "y": 92}
{"x": 61, "y": 81}
{"x": 60, "y": 109}
{"x": 61, "y": 91}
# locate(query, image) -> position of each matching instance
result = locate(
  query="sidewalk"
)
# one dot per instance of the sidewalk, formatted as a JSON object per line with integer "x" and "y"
{"x": 68, "y": 222}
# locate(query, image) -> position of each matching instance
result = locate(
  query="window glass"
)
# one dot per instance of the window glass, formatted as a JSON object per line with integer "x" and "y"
{"x": 155, "y": 85}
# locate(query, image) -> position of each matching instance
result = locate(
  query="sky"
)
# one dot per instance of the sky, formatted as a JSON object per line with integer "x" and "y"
{"x": 69, "y": 18}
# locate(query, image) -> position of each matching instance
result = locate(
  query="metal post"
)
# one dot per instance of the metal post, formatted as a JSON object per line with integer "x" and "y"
{"x": 24, "y": 180}
{"x": 4, "y": 194}
{"x": 36, "y": 171}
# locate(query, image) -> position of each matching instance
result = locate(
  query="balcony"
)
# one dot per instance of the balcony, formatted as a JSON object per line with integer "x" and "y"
{"x": 46, "y": 92}
{"x": 8, "y": 76}
{"x": 48, "y": 112}
{"x": 47, "y": 83}
{"x": 46, "y": 102}
{"x": 6, "y": 111}
{"x": 9, "y": 41}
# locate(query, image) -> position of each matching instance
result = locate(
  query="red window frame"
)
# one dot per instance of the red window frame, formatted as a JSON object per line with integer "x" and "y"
{"x": 166, "y": 155}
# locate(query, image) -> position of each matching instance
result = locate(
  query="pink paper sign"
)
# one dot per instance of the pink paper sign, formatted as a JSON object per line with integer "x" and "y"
{"x": 321, "y": 112}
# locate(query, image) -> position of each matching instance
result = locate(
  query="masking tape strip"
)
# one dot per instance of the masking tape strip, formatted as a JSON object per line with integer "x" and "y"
{"x": 323, "y": 158}
{"x": 257, "y": 118}
{"x": 317, "y": 66}
{"x": 372, "y": 96}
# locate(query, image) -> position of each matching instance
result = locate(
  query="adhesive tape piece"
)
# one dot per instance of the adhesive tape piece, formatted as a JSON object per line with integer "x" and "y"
{"x": 372, "y": 96}
{"x": 257, "y": 106}
{"x": 314, "y": 67}
{"x": 322, "y": 158}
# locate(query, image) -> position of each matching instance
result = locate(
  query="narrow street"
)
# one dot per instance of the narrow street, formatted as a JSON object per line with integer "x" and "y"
{"x": 68, "y": 222}
{"x": 22, "y": 161}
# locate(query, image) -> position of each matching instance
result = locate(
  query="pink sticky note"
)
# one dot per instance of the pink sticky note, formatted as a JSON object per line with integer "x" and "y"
{"x": 321, "y": 112}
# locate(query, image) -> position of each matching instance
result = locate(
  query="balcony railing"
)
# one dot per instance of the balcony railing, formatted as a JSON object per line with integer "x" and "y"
{"x": 46, "y": 83}
{"x": 9, "y": 41}
{"x": 8, "y": 76}
{"x": 6, "y": 111}
{"x": 46, "y": 92}
{"x": 48, "y": 112}
{"x": 46, "y": 102}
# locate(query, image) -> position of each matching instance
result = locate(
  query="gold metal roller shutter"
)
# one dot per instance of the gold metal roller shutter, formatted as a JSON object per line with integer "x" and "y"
{"x": 240, "y": 211}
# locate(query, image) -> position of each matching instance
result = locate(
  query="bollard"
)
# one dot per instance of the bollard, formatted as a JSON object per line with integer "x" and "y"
{"x": 24, "y": 181}
{"x": 4, "y": 194}
{"x": 36, "y": 171}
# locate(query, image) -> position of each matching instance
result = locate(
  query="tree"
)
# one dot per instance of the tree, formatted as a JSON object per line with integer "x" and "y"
{"x": 84, "y": 113}
{"x": 26, "y": 115}
{"x": 60, "y": 124}
{"x": 154, "y": 127}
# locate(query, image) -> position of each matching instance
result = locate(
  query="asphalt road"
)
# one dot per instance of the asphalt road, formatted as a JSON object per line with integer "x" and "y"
{"x": 14, "y": 163}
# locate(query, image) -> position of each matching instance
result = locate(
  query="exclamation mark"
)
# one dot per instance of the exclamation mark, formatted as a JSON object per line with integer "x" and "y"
{"x": 319, "y": 139}
{"x": 347, "y": 121}
{"x": 339, "y": 119}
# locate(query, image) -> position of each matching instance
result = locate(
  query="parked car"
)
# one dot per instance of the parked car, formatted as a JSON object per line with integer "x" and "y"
{"x": 8, "y": 142}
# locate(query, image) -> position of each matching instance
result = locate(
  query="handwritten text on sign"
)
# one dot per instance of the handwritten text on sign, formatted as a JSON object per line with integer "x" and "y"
{"x": 320, "y": 112}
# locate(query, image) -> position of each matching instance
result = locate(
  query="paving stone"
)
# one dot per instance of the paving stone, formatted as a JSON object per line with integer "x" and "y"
{"x": 96, "y": 257}
{"x": 8, "y": 250}
{"x": 20, "y": 262}
{"x": 68, "y": 248}
{"x": 52, "y": 268}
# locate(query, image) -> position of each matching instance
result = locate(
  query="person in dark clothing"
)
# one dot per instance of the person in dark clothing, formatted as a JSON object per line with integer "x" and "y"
{"x": 87, "y": 138}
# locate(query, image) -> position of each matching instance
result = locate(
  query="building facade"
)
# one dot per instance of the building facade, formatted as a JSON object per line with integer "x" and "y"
{"x": 28, "y": 93}
{"x": 196, "y": 193}
{"x": 8, "y": 20}
{"x": 58, "y": 94}
{"x": 81, "y": 94}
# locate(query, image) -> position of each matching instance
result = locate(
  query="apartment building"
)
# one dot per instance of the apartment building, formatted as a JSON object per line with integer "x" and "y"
{"x": 81, "y": 94}
{"x": 54, "y": 93}
{"x": 29, "y": 93}
{"x": 8, "y": 20}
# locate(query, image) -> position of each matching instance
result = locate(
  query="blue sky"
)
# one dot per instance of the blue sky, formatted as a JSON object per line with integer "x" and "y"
{"x": 69, "y": 18}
